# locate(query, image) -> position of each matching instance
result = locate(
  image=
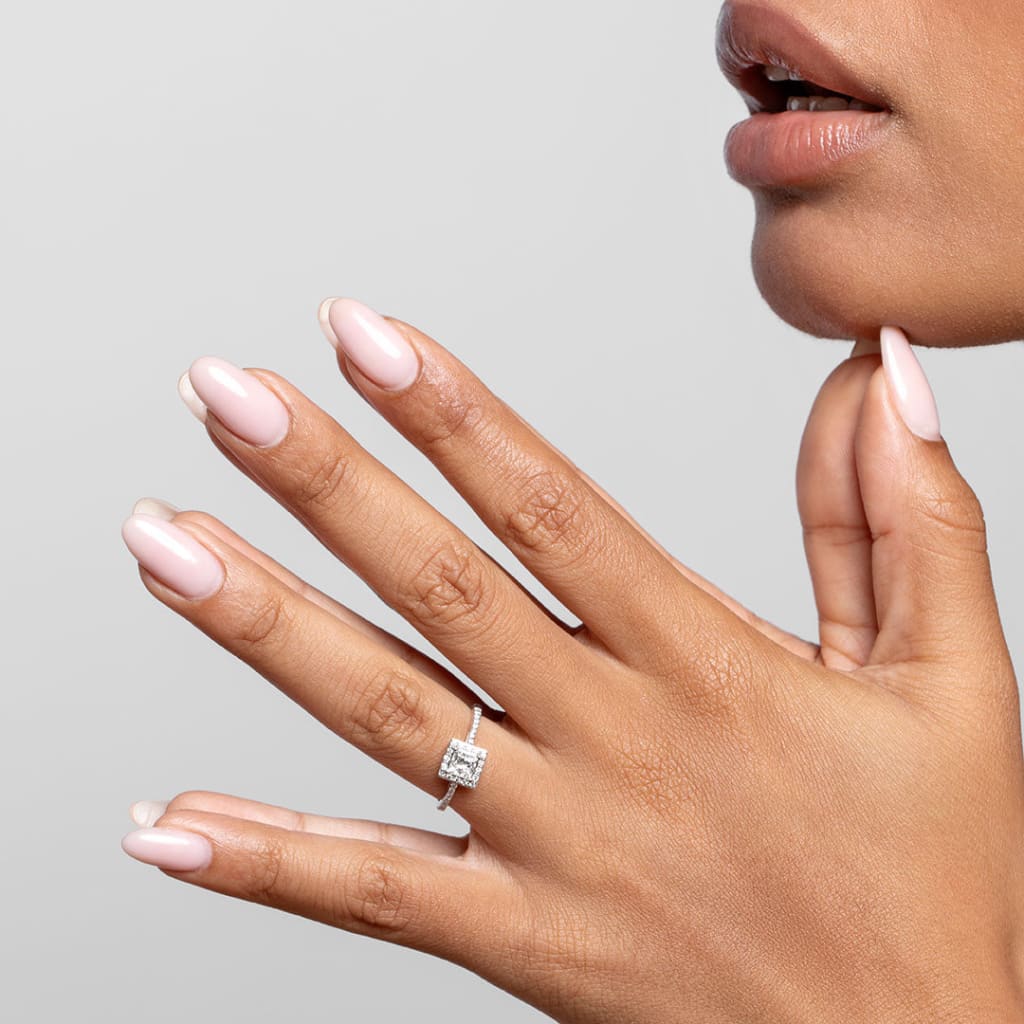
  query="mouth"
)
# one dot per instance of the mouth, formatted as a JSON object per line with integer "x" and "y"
{"x": 810, "y": 109}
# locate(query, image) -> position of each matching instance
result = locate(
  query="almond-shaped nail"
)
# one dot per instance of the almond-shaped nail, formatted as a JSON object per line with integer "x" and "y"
{"x": 146, "y": 813}
{"x": 170, "y": 848}
{"x": 909, "y": 386}
{"x": 242, "y": 402}
{"x": 173, "y": 556}
{"x": 375, "y": 347}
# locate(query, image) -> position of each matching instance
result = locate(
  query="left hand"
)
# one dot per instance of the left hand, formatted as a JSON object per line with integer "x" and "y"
{"x": 686, "y": 814}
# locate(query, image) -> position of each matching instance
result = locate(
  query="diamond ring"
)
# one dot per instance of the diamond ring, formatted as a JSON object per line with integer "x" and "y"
{"x": 462, "y": 761}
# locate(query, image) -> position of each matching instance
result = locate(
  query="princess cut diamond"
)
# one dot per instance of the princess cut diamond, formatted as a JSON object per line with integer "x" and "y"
{"x": 462, "y": 763}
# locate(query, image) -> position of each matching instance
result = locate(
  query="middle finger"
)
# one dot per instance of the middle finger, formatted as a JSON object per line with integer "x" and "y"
{"x": 407, "y": 551}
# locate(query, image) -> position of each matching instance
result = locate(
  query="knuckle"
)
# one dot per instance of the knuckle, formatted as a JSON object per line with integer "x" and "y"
{"x": 263, "y": 878}
{"x": 548, "y": 514}
{"x": 960, "y": 513}
{"x": 265, "y": 623}
{"x": 715, "y": 673}
{"x": 389, "y": 713}
{"x": 324, "y": 479}
{"x": 449, "y": 587}
{"x": 379, "y": 895}
{"x": 449, "y": 416}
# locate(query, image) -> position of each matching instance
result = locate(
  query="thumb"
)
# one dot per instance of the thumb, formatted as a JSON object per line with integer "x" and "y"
{"x": 931, "y": 575}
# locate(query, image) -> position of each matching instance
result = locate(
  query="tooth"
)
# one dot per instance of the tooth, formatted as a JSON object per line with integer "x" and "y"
{"x": 795, "y": 77}
{"x": 776, "y": 74}
{"x": 798, "y": 103}
{"x": 860, "y": 105}
{"x": 834, "y": 103}
{"x": 816, "y": 102}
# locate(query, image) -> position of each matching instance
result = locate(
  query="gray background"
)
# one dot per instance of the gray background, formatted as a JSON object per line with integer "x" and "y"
{"x": 540, "y": 186}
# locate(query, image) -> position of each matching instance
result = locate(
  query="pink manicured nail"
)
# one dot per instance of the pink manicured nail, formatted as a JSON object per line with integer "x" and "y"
{"x": 909, "y": 386}
{"x": 173, "y": 556}
{"x": 168, "y": 848}
{"x": 246, "y": 406}
{"x": 375, "y": 346}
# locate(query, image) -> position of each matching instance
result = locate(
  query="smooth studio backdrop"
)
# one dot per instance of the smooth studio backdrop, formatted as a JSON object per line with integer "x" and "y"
{"x": 539, "y": 185}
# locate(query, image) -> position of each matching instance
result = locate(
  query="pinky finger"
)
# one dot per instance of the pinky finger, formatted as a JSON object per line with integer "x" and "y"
{"x": 150, "y": 812}
{"x": 378, "y": 889}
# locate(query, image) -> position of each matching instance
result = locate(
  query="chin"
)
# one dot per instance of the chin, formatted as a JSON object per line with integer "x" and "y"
{"x": 833, "y": 273}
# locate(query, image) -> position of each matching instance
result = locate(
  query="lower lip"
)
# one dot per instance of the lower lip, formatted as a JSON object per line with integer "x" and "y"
{"x": 800, "y": 147}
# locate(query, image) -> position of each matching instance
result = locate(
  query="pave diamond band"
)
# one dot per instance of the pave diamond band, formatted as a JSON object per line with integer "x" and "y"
{"x": 462, "y": 762}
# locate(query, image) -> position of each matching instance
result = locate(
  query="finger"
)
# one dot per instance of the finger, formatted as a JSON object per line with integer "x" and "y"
{"x": 932, "y": 579}
{"x": 362, "y": 692}
{"x": 837, "y": 538}
{"x": 408, "y": 653}
{"x": 411, "y": 555}
{"x": 788, "y": 641}
{"x": 409, "y": 838}
{"x": 573, "y": 541}
{"x": 458, "y": 908}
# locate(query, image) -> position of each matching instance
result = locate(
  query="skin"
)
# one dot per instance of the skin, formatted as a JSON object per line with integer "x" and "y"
{"x": 927, "y": 231}
{"x": 687, "y": 814}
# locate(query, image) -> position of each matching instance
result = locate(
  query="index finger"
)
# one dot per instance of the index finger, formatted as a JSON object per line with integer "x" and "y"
{"x": 581, "y": 548}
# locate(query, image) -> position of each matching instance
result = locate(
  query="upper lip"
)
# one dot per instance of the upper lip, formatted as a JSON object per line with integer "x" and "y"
{"x": 750, "y": 36}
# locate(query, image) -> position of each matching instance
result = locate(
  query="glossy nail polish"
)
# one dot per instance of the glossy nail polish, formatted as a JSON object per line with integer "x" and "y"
{"x": 243, "y": 403}
{"x": 909, "y": 386}
{"x": 170, "y": 848}
{"x": 173, "y": 556}
{"x": 145, "y": 813}
{"x": 374, "y": 346}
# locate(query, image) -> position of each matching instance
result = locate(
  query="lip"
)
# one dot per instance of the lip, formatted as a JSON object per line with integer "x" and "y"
{"x": 794, "y": 147}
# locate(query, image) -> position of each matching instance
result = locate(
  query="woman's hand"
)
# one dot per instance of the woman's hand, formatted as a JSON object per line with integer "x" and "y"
{"x": 685, "y": 814}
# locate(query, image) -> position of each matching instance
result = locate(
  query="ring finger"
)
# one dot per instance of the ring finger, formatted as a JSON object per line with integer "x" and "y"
{"x": 365, "y": 693}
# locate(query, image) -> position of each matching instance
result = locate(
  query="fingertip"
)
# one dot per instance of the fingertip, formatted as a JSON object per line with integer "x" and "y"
{"x": 909, "y": 385}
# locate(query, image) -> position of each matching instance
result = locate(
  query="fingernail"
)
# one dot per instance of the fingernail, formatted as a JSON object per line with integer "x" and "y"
{"x": 325, "y": 323}
{"x": 374, "y": 346}
{"x": 173, "y": 556}
{"x": 156, "y": 508}
{"x": 190, "y": 398}
{"x": 865, "y": 347}
{"x": 909, "y": 386}
{"x": 146, "y": 812}
{"x": 245, "y": 405}
{"x": 168, "y": 848}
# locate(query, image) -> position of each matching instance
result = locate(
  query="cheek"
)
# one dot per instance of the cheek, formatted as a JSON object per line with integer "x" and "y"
{"x": 915, "y": 238}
